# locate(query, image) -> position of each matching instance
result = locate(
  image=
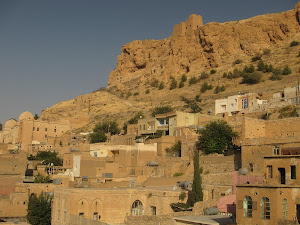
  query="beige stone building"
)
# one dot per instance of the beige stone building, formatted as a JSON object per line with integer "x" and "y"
{"x": 261, "y": 138}
{"x": 276, "y": 201}
{"x": 244, "y": 103}
{"x": 168, "y": 123}
{"x": 111, "y": 205}
{"x": 27, "y": 131}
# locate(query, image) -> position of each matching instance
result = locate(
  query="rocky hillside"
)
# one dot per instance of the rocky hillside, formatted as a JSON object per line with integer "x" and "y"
{"x": 192, "y": 49}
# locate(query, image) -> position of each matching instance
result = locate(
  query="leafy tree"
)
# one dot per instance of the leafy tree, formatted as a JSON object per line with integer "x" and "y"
{"x": 47, "y": 158}
{"x": 97, "y": 137}
{"x": 197, "y": 192}
{"x": 215, "y": 137}
{"x": 36, "y": 116}
{"x": 288, "y": 111}
{"x": 147, "y": 91}
{"x": 107, "y": 126}
{"x": 252, "y": 78}
{"x": 41, "y": 179}
{"x": 161, "y": 110}
{"x": 39, "y": 209}
{"x": 225, "y": 75}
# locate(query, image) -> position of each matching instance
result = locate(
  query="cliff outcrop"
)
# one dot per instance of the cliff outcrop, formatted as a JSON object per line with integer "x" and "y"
{"x": 194, "y": 47}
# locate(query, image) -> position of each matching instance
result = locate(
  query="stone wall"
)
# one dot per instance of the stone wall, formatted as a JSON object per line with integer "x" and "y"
{"x": 78, "y": 220}
{"x": 149, "y": 220}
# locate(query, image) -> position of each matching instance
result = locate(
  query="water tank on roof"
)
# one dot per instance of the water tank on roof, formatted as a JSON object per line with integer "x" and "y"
{"x": 211, "y": 211}
{"x": 243, "y": 171}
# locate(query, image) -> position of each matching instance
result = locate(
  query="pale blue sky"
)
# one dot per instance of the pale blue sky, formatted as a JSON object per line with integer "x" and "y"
{"x": 54, "y": 50}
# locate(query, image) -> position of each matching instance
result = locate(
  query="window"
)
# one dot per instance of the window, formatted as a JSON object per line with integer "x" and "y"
{"x": 270, "y": 171}
{"x": 293, "y": 172}
{"x": 137, "y": 208}
{"x": 144, "y": 127}
{"x": 251, "y": 167}
{"x": 275, "y": 150}
{"x": 153, "y": 210}
{"x": 285, "y": 208}
{"x": 45, "y": 135}
{"x": 65, "y": 216}
{"x": 33, "y": 128}
{"x": 244, "y": 103}
{"x": 37, "y": 129}
{"x": 81, "y": 214}
{"x": 95, "y": 217}
{"x": 265, "y": 208}
{"x": 46, "y": 129}
{"x": 247, "y": 206}
{"x": 54, "y": 130}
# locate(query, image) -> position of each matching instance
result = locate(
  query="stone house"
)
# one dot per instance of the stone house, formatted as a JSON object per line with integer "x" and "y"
{"x": 276, "y": 201}
{"x": 244, "y": 103}
{"x": 111, "y": 205}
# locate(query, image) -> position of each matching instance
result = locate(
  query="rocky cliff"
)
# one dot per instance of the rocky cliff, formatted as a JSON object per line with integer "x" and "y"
{"x": 194, "y": 47}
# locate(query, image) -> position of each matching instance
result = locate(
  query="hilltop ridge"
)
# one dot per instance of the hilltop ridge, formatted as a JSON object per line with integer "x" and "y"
{"x": 194, "y": 47}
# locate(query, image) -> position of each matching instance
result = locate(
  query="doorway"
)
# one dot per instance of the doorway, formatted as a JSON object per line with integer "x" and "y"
{"x": 282, "y": 175}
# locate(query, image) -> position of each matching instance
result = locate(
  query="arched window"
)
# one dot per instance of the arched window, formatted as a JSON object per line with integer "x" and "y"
{"x": 137, "y": 208}
{"x": 247, "y": 206}
{"x": 285, "y": 208}
{"x": 265, "y": 208}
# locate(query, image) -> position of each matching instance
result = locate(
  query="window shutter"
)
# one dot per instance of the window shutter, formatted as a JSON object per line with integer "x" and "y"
{"x": 240, "y": 204}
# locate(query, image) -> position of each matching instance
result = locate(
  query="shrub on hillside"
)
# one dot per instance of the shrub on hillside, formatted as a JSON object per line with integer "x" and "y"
{"x": 255, "y": 58}
{"x": 161, "y": 110}
{"x": 204, "y": 75}
{"x": 193, "y": 80}
{"x": 161, "y": 86}
{"x": 238, "y": 61}
{"x": 294, "y": 43}
{"x": 252, "y": 78}
{"x": 275, "y": 77}
{"x": 147, "y": 91}
{"x": 205, "y": 86}
{"x": 173, "y": 84}
{"x": 288, "y": 111}
{"x": 213, "y": 71}
{"x": 183, "y": 78}
{"x": 287, "y": 70}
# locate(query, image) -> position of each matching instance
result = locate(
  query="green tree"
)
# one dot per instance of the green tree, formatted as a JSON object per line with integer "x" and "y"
{"x": 197, "y": 192}
{"x": 193, "y": 104}
{"x": 47, "y": 158}
{"x": 39, "y": 209}
{"x": 252, "y": 78}
{"x": 193, "y": 80}
{"x": 161, "y": 110}
{"x": 41, "y": 179}
{"x": 261, "y": 65}
{"x": 98, "y": 136}
{"x": 215, "y": 137}
{"x": 107, "y": 126}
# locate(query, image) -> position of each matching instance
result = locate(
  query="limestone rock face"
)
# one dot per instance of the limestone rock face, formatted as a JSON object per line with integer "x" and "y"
{"x": 194, "y": 47}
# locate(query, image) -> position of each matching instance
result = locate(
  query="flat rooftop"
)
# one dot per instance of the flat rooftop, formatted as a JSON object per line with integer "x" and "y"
{"x": 205, "y": 219}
